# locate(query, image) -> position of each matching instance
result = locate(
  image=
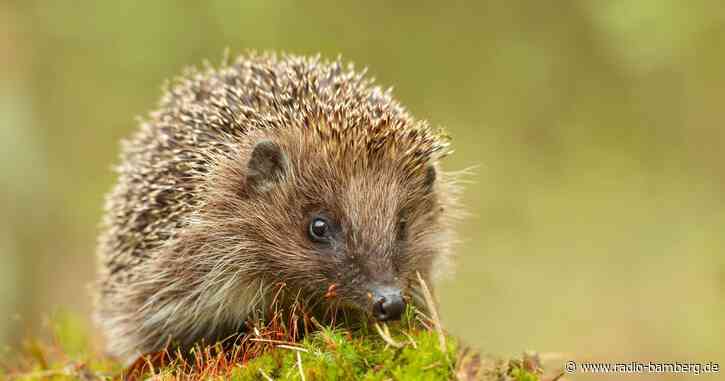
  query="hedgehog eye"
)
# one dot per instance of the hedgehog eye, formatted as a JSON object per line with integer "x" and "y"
{"x": 319, "y": 230}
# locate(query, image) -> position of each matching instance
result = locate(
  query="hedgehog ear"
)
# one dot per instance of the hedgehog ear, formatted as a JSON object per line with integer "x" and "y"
{"x": 430, "y": 178}
{"x": 266, "y": 166}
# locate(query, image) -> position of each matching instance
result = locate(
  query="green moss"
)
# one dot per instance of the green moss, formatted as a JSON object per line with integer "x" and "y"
{"x": 335, "y": 354}
{"x": 400, "y": 351}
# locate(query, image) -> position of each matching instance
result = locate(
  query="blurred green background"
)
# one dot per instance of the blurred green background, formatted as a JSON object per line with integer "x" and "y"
{"x": 598, "y": 199}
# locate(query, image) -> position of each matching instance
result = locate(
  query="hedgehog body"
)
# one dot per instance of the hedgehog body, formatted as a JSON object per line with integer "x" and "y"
{"x": 266, "y": 170}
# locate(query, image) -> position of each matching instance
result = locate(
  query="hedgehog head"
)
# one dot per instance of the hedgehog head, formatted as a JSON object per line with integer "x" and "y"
{"x": 343, "y": 213}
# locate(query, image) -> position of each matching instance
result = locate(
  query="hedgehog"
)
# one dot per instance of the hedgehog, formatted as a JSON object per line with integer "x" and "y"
{"x": 269, "y": 169}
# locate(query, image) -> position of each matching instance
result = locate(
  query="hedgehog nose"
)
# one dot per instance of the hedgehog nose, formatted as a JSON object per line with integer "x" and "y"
{"x": 389, "y": 304}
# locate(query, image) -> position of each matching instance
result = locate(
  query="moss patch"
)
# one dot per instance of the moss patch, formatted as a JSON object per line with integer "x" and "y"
{"x": 407, "y": 350}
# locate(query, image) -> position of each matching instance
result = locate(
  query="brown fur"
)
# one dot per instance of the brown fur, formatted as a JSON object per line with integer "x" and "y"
{"x": 190, "y": 250}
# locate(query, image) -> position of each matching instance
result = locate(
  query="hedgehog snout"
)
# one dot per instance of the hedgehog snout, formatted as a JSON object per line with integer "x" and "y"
{"x": 388, "y": 303}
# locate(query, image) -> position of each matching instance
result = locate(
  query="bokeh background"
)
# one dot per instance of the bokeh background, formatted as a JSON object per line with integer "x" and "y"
{"x": 595, "y": 127}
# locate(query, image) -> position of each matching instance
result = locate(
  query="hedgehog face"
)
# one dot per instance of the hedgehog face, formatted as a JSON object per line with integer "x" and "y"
{"x": 342, "y": 232}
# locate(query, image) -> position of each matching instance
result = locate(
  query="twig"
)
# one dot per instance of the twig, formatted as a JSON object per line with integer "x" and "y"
{"x": 271, "y": 341}
{"x": 410, "y": 339}
{"x": 434, "y": 313}
{"x": 292, "y": 347}
{"x": 385, "y": 334}
{"x": 266, "y": 377}
{"x": 299, "y": 365}
{"x": 431, "y": 366}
